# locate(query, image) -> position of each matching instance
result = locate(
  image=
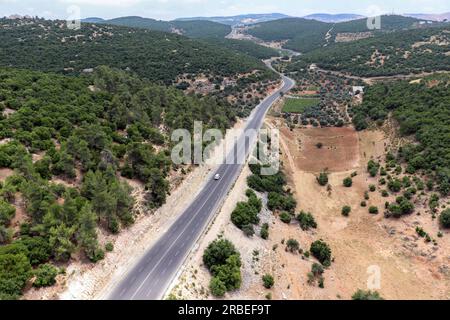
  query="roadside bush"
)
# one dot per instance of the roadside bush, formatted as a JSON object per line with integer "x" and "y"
{"x": 277, "y": 201}
{"x": 217, "y": 287}
{"x": 224, "y": 263}
{"x": 244, "y": 214}
{"x": 218, "y": 252}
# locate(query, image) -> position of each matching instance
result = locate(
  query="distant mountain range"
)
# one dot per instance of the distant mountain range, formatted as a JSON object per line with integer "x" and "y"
{"x": 245, "y": 19}
{"x": 240, "y": 19}
{"x": 434, "y": 17}
{"x": 325, "y": 17}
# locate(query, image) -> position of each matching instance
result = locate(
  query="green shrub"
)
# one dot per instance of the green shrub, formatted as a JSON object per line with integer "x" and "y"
{"x": 322, "y": 179}
{"x": 285, "y": 217}
{"x": 366, "y": 295}
{"x": 218, "y": 252}
{"x": 45, "y": 275}
{"x": 373, "y": 210}
{"x": 265, "y": 231}
{"x": 7, "y": 212}
{"x": 322, "y": 252}
{"x": 217, "y": 287}
{"x": 346, "y": 211}
{"x": 444, "y": 218}
{"x": 109, "y": 247}
{"x": 248, "y": 230}
{"x": 348, "y": 182}
{"x": 292, "y": 245}
{"x": 224, "y": 263}
{"x": 268, "y": 281}
{"x": 306, "y": 221}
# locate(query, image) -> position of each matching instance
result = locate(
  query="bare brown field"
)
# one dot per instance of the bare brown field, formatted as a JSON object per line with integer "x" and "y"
{"x": 339, "y": 151}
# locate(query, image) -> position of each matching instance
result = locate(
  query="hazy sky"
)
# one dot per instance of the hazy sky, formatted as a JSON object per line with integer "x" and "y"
{"x": 170, "y": 9}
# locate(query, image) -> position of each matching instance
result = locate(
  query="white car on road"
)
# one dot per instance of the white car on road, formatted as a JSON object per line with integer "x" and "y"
{"x": 217, "y": 177}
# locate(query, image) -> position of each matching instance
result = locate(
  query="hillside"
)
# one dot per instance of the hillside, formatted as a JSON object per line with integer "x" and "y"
{"x": 301, "y": 34}
{"x": 65, "y": 141}
{"x": 191, "y": 29}
{"x": 429, "y": 125}
{"x": 50, "y": 46}
{"x": 247, "y": 47}
{"x": 403, "y": 52}
{"x": 304, "y": 35}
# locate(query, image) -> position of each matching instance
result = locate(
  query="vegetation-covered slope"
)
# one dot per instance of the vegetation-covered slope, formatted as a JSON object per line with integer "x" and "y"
{"x": 247, "y": 47}
{"x": 50, "y": 46}
{"x": 401, "y": 52}
{"x": 422, "y": 110}
{"x": 192, "y": 29}
{"x": 304, "y": 35}
{"x": 68, "y": 140}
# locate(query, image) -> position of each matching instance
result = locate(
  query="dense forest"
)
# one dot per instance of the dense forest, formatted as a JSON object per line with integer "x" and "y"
{"x": 87, "y": 131}
{"x": 247, "y": 47}
{"x": 422, "y": 111}
{"x": 401, "y": 52}
{"x": 191, "y": 29}
{"x": 304, "y": 35}
{"x": 50, "y": 46}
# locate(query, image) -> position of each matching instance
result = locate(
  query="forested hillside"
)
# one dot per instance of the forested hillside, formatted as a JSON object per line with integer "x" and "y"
{"x": 67, "y": 146}
{"x": 192, "y": 29}
{"x": 305, "y": 35}
{"x": 422, "y": 110}
{"x": 402, "y": 52}
{"x": 247, "y": 47}
{"x": 302, "y": 34}
{"x": 49, "y": 46}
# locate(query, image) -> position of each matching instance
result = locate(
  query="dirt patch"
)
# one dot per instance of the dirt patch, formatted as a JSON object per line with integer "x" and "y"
{"x": 338, "y": 151}
{"x": 5, "y": 173}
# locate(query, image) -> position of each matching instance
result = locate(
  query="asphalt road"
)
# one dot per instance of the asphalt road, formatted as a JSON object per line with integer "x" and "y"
{"x": 151, "y": 276}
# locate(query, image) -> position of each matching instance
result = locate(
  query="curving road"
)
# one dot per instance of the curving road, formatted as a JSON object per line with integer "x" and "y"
{"x": 151, "y": 276}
